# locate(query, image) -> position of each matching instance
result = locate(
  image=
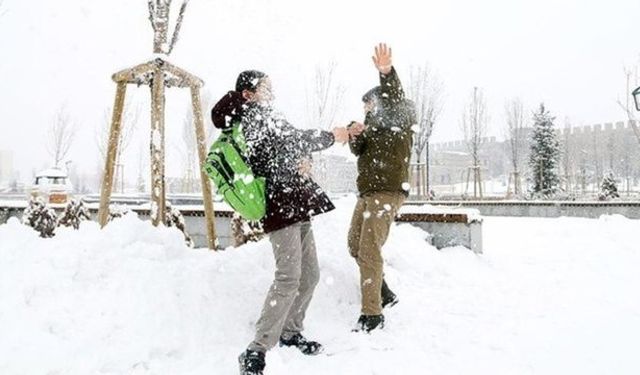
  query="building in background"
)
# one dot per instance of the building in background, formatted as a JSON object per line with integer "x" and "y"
{"x": 6, "y": 168}
{"x": 335, "y": 174}
{"x": 587, "y": 153}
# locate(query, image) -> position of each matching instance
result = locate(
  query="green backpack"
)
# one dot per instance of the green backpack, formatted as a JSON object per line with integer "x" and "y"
{"x": 227, "y": 166}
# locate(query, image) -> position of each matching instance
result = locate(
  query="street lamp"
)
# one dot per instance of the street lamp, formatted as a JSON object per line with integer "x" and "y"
{"x": 636, "y": 97}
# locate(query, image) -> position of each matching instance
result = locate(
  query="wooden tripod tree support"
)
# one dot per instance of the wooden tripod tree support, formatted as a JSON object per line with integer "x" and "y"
{"x": 157, "y": 74}
{"x": 477, "y": 181}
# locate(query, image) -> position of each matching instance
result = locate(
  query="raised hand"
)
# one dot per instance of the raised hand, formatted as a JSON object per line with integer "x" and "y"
{"x": 382, "y": 58}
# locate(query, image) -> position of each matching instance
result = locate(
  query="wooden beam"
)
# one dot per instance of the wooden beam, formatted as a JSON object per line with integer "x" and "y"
{"x": 202, "y": 155}
{"x": 157, "y": 148}
{"x": 134, "y": 75}
{"x": 114, "y": 136}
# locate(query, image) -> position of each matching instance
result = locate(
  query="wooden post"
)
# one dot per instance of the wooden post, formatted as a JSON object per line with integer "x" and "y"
{"x": 114, "y": 136}
{"x": 202, "y": 155}
{"x": 157, "y": 148}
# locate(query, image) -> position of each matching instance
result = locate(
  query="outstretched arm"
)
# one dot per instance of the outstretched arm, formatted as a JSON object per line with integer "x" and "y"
{"x": 390, "y": 85}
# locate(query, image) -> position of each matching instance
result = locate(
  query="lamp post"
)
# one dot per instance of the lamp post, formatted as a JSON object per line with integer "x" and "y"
{"x": 636, "y": 97}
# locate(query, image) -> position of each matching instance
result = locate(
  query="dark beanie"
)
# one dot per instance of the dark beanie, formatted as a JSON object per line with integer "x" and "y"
{"x": 248, "y": 80}
{"x": 372, "y": 94}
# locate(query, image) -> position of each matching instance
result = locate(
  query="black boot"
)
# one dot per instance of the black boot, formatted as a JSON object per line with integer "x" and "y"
{"x": 300, "y": 342}
{"x": 368, "y": 323}
{"x": 251, "y": 362}
{"x": 389, "y": 298}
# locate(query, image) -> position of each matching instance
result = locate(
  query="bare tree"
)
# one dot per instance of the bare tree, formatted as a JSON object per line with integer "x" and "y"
{"x": 189, "y": 147}
{"x": 324, "y": 103}
{"x": 474, "y": 128}
{"x": 324, "y": 98}
{"x": 60, "y": 136}
{"x": 631, "y": 75}
{"x": 426, "y": 90}
{"x": 130, "y": 116}
{"x": 516, "y": 140}
{"x": 567, "y": 156}
{"x": 189, "y": 158}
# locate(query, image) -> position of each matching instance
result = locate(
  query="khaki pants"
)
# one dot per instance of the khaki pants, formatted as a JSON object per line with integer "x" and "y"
{"x": 297, "y": 274}
{"x": 372, "y": 218}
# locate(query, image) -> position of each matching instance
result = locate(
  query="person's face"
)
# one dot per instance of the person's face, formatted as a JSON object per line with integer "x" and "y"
{"x": 263, "y": 93}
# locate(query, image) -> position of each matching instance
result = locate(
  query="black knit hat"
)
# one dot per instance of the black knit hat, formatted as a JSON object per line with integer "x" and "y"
{"x": 248, "y": 80}
{"x": 372, "y": 94}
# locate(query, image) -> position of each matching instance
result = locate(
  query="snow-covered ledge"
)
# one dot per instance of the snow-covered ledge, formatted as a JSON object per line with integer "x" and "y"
{"x": 447, "y": 226}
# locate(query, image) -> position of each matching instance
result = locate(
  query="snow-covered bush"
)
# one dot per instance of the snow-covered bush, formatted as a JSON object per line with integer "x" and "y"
{"x": 117, "y": 211}
{"x": 245, "y": 231}
{"x": 40, "y": 217}
{"x": 74, "y": 213}
{"x": 174, "y": 218}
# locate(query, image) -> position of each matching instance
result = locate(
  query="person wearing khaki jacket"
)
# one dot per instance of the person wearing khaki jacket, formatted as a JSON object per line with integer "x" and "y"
{"x": 383, "y": 147}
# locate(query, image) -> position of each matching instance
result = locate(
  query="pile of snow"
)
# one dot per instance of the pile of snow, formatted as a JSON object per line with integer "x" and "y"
{"x": 549, "y": 296}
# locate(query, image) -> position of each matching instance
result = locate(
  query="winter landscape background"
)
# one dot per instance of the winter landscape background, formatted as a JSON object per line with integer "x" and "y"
{"x": 547, "y": 296}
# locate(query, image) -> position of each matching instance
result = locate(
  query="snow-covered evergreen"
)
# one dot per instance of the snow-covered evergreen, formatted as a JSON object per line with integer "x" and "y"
{"x": 545, "y": 156}
{"x": 74, "y": 213}
{"x": 609, "y": 187}
{"x": 174, "y": 218}
{"x": 40, "y": 217}
{"x": 117, "y": 211}
{"x": 245, "y": 231}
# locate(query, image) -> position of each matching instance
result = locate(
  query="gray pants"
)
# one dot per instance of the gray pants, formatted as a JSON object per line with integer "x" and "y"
{"x": 296, "y": 276}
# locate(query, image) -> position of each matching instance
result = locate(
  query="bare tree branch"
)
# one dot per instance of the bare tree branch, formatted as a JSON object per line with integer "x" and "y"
{"x": 324, "y": 101}
{"x": 426, "y": 90}
{"x": 60, "y": 136}
{"x": 626, "y": 107}
{"x": 474, "y": 124}
{"x": 176, "y": 31}
{"x": 130, "y": 116}
{"x": 514, "y": 113}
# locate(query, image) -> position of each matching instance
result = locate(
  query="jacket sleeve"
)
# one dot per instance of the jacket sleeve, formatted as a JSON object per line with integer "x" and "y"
{"x": 317, "y": 140}
{"x": 310, "y": 140}
{"x": 357, "y": 143}
{"x": 391, "y": 87}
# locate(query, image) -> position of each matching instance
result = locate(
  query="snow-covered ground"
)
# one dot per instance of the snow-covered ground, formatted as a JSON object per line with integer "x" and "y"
{"x": 549, "y": 296}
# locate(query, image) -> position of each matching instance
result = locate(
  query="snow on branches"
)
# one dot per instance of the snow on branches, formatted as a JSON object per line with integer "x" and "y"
{"x": 40, "y": 217}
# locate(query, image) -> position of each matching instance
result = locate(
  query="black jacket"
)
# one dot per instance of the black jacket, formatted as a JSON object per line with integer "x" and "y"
{"x": 275, "y": 149}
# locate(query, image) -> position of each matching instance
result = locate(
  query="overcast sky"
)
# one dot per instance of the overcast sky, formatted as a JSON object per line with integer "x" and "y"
{"x": 568, "y": 53}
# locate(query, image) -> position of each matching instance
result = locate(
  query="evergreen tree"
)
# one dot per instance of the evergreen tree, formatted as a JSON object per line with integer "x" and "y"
{"x": 545, "y": 155}
{"x": 609, "y": 187}
{"x": 40, "y": 217}
{"x": 74, "y": 213}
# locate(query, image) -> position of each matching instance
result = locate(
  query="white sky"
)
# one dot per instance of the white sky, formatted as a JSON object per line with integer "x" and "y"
{"x": 568, "y": 53}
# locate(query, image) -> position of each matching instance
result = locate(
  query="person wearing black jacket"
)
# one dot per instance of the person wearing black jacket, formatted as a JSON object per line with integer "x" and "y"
{"x": 281, "y": 154}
